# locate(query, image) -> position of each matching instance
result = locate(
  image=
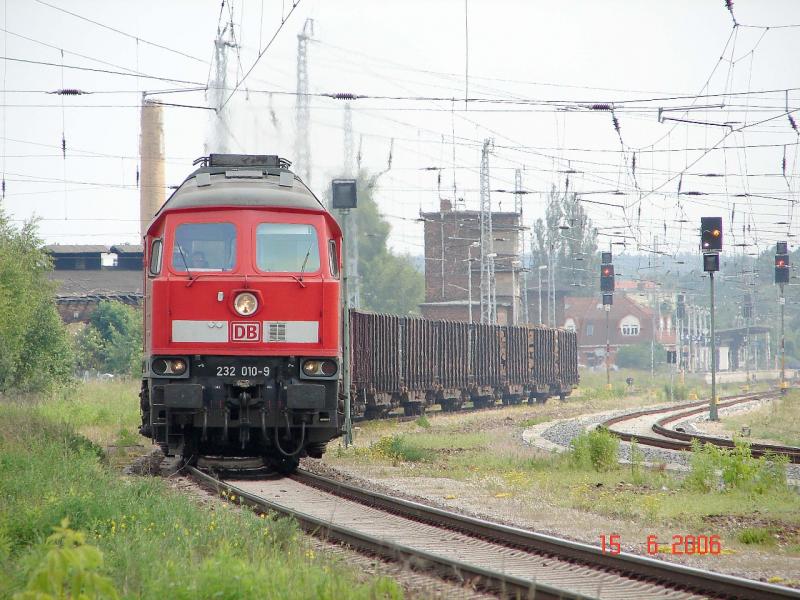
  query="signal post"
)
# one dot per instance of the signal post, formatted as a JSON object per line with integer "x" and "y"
{"x": 344, "y": 197}
{"x": 607, "y": 289}
{"x": 711, "y": 245}
{"x": 782, "y": 272}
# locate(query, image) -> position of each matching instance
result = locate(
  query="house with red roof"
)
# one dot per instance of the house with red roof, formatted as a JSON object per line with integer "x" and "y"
{"x": 629, "y": 323}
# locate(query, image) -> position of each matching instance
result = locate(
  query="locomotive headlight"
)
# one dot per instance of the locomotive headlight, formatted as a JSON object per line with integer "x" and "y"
{"x": 320, "y": 368}
{"x": 169, "y": 367}
{"x": 178, "y": 366}
{"x": 310, "y": 367}
{"x": 245, "y": 304}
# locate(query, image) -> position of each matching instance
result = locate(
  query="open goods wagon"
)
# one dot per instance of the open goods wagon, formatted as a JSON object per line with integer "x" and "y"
{"x": 414, "y": 362}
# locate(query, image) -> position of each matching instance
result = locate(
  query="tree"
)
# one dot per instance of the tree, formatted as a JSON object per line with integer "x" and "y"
{"x": 567, "y": 241}
{"x": 637, "y": 356}
{"x": 35, "y": 349}
{"x": 112, "y": 341}
{"x": 388, "y": 283}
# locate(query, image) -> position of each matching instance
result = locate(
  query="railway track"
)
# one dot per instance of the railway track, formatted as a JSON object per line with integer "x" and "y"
{"x": 672, "y": 439}
{"x": 512, "y": 562}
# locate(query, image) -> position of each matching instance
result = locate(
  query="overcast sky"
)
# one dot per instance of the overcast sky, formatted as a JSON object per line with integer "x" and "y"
{"x": 535, "y": 69}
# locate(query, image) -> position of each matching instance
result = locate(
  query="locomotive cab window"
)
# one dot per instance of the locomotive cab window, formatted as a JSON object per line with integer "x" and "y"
{"x": 287, "y": 248}
{"x": 204, "y": 247}
{"x": 155, "y": 257}
{"x": 333, "y": 257}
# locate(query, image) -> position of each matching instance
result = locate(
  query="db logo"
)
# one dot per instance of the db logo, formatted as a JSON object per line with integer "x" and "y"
{"x": 246, "y": 332}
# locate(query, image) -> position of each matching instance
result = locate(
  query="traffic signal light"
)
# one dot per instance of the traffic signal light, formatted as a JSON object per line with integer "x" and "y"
{"x": 606, "y": 278}
{"x": 782, "y": 270}
{"x": 710, "y": 263}
{"x": 711, "y": 234}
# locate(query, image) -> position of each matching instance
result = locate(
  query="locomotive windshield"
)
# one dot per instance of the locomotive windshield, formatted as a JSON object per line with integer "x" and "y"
{"x": 204, "y": 247}
{"x": 287, "y": 248}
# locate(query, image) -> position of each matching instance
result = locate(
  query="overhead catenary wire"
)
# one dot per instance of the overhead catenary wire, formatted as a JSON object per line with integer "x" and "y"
{"x": 123, "y": 33}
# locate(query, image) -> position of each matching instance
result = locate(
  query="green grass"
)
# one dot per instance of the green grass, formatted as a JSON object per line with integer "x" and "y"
{"x": 756, "y": 535}
{"x": 483, "y": 450}
{"x": 155, "y": 542}
{"x": 778, "y": 420}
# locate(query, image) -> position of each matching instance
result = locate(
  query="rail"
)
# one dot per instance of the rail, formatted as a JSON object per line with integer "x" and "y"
{"x": 585, "y": 563}
{"x": 672, "y": 439}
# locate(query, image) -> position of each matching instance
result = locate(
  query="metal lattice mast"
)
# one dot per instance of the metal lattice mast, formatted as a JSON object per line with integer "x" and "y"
{"x": 302, "y": 150}
{"x": 488, "y": 312}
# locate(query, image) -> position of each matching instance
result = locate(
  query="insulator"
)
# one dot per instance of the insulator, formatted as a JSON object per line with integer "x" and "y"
{"x": 344, "y": 96}
{"x": 633, "y": 164}
{"x": 792, "y": 123}
{"x": 615, "y": 121}
{"x": 63, "y": 147}
{"x": 69, "y": 92}
{"x": 601, "y": 106}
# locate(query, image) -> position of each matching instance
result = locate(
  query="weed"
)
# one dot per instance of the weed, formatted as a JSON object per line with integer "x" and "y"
{"x": 597, "y": 449}
{"x": 677, "y": 392}
{"x": 126, "y": 437}
{"x": 756, "y": 535}
{"x": 637, "y": 463}
{"x": 651, "y": 505}
{"x": 423, "y": 422}
{"x": 737, "y": 467}
{"x": 400, "y": 449}
{"x": 71, "y": 568}
{"x": 525, "y": 423}
{"x": 702, "y": 475}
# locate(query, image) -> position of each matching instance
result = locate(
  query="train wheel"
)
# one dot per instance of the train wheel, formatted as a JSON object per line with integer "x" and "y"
{"x": 412, "y": 409}
{"x": 285, "y": 465}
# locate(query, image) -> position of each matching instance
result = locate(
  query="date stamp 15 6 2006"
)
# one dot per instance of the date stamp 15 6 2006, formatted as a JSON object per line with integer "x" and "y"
{"x": 697, "y": 545}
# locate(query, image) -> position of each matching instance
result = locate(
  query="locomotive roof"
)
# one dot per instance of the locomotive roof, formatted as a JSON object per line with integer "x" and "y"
{"x": 248, "y": 185}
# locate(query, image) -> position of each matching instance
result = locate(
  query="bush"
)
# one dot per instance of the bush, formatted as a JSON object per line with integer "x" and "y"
{"x": 112, "y": 341}
{"x": 597, "y": 449}
{"x": 35, "y": 349}
{"x": 737, "y": 467}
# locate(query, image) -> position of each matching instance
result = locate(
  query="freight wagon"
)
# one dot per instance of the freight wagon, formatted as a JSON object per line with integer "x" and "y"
{"x": 412, "y": 363}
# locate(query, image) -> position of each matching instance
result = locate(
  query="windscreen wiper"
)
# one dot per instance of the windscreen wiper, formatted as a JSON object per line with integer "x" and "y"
{"x": 185, "y": 264}
{"x": 305, "y": 260}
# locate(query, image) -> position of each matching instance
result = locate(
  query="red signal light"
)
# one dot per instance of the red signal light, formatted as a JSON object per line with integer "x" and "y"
{"x": 606, "y": 271}
{"x": 780, "y": 263}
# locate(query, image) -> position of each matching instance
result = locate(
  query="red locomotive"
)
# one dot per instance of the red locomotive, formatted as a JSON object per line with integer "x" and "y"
{"x": 242, "y": 315}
